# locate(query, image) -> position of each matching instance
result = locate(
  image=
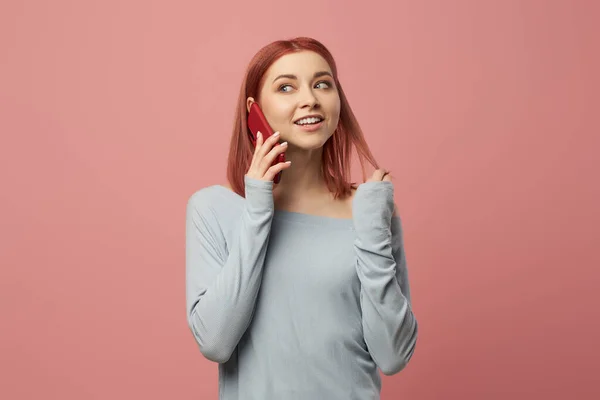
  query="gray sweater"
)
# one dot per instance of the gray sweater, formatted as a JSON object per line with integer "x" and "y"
{"x": 296, "y": 306}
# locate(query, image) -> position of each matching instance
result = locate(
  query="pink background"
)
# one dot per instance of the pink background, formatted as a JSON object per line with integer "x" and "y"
{"x": 113, "y": 112}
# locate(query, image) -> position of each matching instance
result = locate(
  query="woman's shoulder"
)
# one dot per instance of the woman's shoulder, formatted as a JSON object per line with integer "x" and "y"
{"x": 213, "y": 197}
{"x": 215, "y": 208}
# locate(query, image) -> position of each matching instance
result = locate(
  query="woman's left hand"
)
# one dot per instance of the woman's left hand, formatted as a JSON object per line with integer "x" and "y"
{"x": 380, "y": 175}
{"x": 383, "y": 175}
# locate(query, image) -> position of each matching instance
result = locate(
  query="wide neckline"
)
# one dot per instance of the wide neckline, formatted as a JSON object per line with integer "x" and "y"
{"x": 298, "y": 217}
{"x": 312, "y": 219}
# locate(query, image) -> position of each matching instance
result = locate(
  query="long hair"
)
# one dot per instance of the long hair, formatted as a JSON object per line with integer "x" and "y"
{"x": 337, "y": 151}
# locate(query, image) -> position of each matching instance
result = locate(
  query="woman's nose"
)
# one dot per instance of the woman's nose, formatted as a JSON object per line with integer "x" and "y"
{"x": 309, "y": 99}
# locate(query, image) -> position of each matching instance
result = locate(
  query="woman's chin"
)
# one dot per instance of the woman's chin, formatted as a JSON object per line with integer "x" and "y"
{"x": 307, "y": 143}
{"x": 306, "y": 140}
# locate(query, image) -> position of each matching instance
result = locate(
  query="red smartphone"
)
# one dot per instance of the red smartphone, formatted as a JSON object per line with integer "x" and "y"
{"x": 258, "y": 122}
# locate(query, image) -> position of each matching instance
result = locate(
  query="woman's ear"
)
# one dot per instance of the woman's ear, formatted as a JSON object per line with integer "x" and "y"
{"x": 249, "y": 102}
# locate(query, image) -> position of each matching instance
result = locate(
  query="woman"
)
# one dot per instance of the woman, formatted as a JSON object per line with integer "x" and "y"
{"x": 299, "y": 290}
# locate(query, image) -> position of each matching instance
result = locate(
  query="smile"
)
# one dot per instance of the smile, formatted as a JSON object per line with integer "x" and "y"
{"x": 310, "y": 126}
{"x": 309, "y": 121}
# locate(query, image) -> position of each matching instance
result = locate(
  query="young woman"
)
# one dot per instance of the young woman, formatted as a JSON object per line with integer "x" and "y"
{"x": 299, "y": 290}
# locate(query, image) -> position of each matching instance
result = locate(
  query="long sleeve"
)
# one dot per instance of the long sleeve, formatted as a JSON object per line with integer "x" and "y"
{"x": 389, "y": 325}
{"x": 223, "y": 279}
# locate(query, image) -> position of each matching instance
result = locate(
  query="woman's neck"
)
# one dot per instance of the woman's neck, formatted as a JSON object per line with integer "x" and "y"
{"x": 303, "y": 180}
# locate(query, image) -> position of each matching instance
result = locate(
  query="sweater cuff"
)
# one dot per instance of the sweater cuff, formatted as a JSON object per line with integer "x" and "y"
{"x": 373, "y": 207}
{"x": 259, "y": 194}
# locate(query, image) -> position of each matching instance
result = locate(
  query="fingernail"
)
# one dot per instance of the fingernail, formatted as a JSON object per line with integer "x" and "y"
{"x": 284, "y": 144}
{"x": 276, "y": 134}
{"x": 258, "y": 134}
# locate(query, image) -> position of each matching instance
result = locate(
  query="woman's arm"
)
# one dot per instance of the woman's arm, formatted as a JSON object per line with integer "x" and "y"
{"x": 389, "y": 325}
{"x": 222, "y": 284}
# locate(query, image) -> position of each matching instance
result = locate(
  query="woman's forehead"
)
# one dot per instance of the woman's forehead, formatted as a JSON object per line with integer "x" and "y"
{"x": 301, "y": 64}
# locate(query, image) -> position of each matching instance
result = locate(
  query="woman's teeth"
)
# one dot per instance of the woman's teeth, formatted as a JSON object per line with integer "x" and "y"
{"x": 308, "y": 121}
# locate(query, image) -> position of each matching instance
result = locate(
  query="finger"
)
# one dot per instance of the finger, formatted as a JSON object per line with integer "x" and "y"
{"x": 271, "y": 155}
{"x": 268, "y": 145}
{"x": 275, "y": 169}
{"x": 275, "y": 137}
{"x": 260, "y": 140}
{"x": 378, "y": 174}
{"x": 257, "y": 144}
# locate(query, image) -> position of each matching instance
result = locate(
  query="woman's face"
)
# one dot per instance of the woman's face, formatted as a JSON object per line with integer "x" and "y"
{"x": 296, "y": 86}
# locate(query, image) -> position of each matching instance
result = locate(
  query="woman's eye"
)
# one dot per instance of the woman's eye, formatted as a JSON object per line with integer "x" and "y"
{"x": 319, "y": 85}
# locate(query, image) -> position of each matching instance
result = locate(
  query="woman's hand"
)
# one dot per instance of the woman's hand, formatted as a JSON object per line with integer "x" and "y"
{"x": 265, "y": 153}
{"x": 380, "y": 175}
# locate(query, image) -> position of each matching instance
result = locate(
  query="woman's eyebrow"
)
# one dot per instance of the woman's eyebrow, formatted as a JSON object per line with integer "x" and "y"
{"x": 290, "y": 76}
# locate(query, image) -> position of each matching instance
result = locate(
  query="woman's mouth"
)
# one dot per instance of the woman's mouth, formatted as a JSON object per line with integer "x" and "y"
{"x": 309, "y": 124}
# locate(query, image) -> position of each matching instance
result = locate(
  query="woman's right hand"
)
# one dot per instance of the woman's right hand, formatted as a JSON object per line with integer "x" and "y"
{"x": 265, "y": 153}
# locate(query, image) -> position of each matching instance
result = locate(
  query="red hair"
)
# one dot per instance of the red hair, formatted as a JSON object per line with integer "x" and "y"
{"x": 337, "y": 150}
